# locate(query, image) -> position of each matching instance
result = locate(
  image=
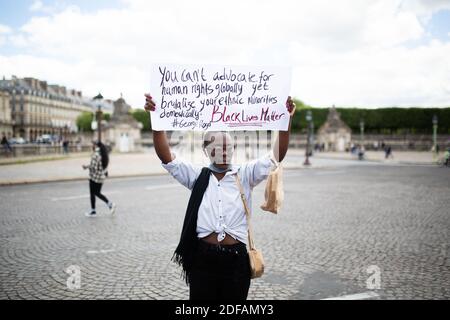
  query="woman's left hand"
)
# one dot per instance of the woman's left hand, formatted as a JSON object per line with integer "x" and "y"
{"x": 290, "y": 106}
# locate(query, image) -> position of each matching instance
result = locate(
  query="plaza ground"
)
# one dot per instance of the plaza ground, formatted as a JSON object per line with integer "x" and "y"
{"x": 339, "y": 218}
{"x": 68, "y": 168}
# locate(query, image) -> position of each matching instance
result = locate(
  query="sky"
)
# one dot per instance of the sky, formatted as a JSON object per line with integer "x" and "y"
{"x": 350, "y": 53}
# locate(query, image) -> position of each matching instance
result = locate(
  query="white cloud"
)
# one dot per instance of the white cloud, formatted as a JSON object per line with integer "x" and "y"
{"x": 38, "y": 6}
{"x": 425, "y": 8}
{"x": 348, "y": 52}
{"x": 5, "y": 29}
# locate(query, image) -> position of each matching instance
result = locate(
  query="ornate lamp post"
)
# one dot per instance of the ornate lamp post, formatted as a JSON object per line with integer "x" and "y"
{"x": 98, "y": 98}
{"x": 361, "y": 126}
{"x": 435, "y": 126}
{"x": 309, "y": 121}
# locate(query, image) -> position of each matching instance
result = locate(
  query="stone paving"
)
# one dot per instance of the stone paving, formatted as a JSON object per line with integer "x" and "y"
{"x": 336, "y": 222}
{"x": 147, "y": 163}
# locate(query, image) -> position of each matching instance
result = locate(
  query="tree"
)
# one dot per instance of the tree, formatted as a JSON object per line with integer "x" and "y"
{"x": 143, "y": 117}
{"x": 84, "y": 121}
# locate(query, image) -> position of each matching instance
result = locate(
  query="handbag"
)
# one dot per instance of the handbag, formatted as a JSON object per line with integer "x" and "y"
{"x": 255, "y": 256}
{"x": 274, "y": 194}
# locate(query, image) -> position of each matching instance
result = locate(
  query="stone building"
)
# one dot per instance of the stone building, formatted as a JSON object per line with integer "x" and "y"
{"x": 39, "y": 108}
{"x": 122, "y": 131}
{"x": 334, "y": 133}
{"x": 6, "y": 128}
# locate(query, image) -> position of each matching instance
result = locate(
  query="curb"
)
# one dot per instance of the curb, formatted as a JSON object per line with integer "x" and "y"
{"x": 30, "y": 182}
{"x": 379, "y": 161}
{"x": 137, "y": 175}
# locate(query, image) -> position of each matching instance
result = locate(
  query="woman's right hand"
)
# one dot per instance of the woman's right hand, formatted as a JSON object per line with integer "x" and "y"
{"x": 149, "y": 103}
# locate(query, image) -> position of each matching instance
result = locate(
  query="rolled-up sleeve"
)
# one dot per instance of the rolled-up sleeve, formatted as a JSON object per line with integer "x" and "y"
{"x": 259, "y": 169}
{"x": 184, "y": 172}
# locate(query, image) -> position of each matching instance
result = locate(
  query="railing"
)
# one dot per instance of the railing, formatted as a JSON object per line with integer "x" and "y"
{"x": 397, "y": 142}
{"x": 41, "y": 149}
{"x": 408, "y": 142}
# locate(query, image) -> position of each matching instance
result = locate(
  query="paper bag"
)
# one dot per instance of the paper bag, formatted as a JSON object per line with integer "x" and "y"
{"x": 274, "y": 194}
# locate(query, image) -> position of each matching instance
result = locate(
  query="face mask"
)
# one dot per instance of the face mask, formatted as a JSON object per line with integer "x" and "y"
{"x": 215, "y": 154}
{"x": 213, "y": 168}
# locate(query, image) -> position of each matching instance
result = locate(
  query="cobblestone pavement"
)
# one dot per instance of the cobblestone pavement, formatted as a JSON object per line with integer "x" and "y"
{"x": 147, "y": 163}
{"x": 335, "y": 223}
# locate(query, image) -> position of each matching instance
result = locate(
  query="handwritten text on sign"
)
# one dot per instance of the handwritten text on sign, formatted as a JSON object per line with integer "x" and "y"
{"x": 219, "y": 98}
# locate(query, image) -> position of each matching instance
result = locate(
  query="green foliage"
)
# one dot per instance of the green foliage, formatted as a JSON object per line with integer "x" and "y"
{"x": 382, "y": 120}
{"x": 84, "y": 120}
{"x": 143, "y": 117}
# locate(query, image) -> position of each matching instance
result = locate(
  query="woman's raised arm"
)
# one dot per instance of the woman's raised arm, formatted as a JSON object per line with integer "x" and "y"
{"x": 160, "y": 140}
{"x": 282, "y": 142}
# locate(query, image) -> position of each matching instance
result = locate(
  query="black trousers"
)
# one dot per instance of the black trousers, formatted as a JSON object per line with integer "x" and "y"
{"x": 95, "y": 189}
{"x": 220, "y": 272}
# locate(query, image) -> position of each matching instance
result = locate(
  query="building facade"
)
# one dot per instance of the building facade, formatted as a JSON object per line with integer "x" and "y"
{"x": 334, "y": 134}
{"x": 6, "y": 125}
{"x": 123, "y": 132}
{"x": 37, "y": 108}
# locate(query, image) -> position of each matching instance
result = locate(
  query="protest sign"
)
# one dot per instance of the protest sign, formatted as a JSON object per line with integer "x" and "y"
{"x": 219, "y": 97}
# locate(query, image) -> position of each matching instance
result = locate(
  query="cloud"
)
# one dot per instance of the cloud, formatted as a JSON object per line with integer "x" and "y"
{"x": 38, "y": 6}
{"x": 425, "y": 8}
{"x": 347, "y": 52}
{"x": 5, "y": 29}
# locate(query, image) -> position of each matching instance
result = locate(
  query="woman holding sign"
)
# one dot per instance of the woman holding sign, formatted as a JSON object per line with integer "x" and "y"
{"x": 212, "y": 248}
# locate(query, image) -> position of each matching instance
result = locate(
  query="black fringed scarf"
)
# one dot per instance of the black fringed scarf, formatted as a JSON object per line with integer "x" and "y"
{"x": 184, "y": 253}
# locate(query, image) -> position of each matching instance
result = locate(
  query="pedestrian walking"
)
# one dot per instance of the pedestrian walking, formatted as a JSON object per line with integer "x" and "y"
{"x": 65, "y": 146}
{"x": 212, "y": 249}
{"x": 446, "y": 159}
{"x": 98, "y": 171}
{"x": 361, "y": 150}
{"x": 388, "y": 152}
{"x": 6, "y": 145}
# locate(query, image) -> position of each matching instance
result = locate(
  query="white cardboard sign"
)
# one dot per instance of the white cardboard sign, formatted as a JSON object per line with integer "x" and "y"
{"x": 209, "y": 97}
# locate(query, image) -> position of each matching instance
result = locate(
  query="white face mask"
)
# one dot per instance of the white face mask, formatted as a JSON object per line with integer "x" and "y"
{"x": 218, "y": 155}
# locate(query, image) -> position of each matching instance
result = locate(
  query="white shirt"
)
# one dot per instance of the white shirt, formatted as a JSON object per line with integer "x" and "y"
{"x": 222, "y": 210}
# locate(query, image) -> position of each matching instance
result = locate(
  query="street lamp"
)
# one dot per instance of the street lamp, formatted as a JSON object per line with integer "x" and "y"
{"x": 309, "y": 121}
{"x": 98, "y": 98}
{"x": 435, "y": 126}
{"x": 361, "y": 126}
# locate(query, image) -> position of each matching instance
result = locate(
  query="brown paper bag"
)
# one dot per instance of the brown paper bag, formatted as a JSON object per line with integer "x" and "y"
{"x": 274, "y": 194}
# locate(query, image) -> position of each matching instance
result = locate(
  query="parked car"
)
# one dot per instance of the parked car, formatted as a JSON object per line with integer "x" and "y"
{"x": 19, "y": 140}
{"x": 45, "y": 138}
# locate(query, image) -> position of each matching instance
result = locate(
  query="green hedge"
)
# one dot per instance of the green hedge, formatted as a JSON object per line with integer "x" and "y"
{"x": 84, "y": 120}
{"x": 382, "y": 120}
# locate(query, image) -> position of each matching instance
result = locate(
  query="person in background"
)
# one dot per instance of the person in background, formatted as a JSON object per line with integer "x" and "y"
{"x": 97, "y": 175}
{"x": 361, "y": 151}
{"x": 447, "y": 157}
{"x": 6, "y": 145}
{"x": 65, "y": 146}
{"x": 388, "y": 152}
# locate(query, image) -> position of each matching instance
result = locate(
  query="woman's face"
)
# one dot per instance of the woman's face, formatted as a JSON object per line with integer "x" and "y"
{"x": 221, "y": 148}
